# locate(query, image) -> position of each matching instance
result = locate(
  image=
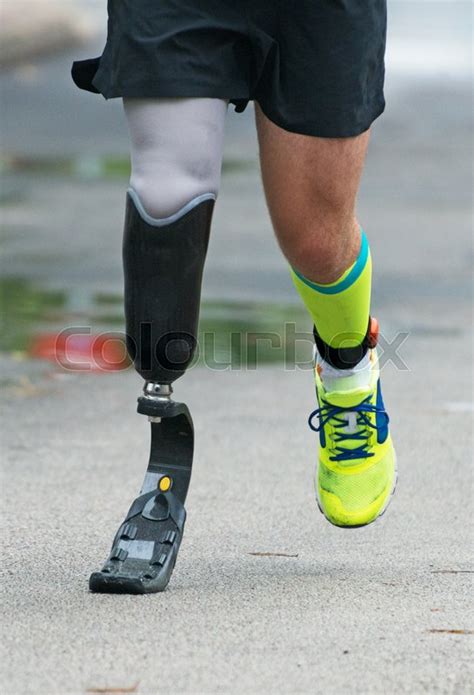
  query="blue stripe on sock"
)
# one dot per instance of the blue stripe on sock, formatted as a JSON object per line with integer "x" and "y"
{"x": 349, "y": 280}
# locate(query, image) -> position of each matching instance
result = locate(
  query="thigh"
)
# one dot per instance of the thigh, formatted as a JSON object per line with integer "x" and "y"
{"x": 306, "y": 177}
{"x": 176, "y": 150}
{"x": 176, "y": 129}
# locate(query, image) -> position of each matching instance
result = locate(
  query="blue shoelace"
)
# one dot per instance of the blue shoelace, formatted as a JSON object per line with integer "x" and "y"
{"x": 336, "y": 414}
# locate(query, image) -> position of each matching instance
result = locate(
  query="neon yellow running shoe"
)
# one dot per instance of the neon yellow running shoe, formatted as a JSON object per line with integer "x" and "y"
{"x": 356, "y": 473}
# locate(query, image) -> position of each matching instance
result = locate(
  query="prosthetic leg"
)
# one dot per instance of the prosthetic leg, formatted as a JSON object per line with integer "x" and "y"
{"x": 163, "y": 265}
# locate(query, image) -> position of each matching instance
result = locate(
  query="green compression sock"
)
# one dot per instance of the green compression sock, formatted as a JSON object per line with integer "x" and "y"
{"x": 340, "y": 310}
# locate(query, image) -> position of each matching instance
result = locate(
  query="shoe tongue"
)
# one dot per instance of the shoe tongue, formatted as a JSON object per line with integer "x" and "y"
{"x": 347, "y": 399}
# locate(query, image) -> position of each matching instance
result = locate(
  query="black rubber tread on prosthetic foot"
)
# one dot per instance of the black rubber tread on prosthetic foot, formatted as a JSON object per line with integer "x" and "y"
{"x": 146, "y": 545}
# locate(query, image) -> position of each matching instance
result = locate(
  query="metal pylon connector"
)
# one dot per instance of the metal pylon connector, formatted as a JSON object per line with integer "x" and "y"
{"x": 159, "y": 393}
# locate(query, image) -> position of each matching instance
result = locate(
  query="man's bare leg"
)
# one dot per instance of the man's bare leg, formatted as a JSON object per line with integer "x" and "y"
{"x": 311, "y": 186}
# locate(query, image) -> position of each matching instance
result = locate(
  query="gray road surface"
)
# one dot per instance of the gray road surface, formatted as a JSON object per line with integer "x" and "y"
{"x": 361, "y": 611}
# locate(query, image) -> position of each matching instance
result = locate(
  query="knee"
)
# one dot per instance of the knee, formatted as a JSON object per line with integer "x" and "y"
{"x": 322, "y": 243}
{"x": 164, "y": 186}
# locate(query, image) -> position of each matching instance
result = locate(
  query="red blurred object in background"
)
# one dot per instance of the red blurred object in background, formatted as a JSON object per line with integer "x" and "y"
{"x": 77, "y": 351}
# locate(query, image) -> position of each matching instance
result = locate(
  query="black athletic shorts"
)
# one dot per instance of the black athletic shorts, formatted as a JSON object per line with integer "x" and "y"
{"x": 314, "y": 66}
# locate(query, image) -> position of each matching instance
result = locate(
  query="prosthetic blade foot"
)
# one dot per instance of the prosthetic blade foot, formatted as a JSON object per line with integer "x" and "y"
{"x": 146, "y": 545}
